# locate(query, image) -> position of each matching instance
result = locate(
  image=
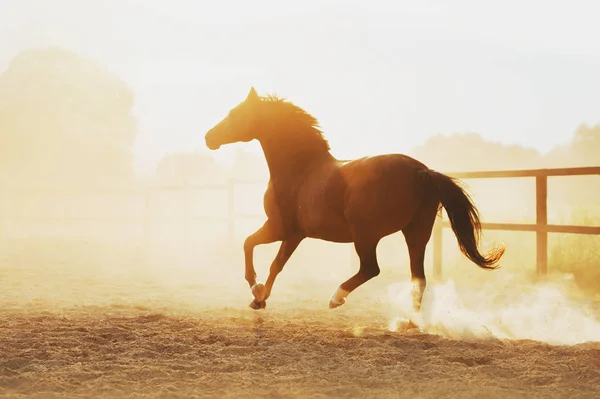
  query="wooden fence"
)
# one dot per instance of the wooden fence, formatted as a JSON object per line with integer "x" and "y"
{"x": 540, "y": 227}
{"x": 144, "y": 217}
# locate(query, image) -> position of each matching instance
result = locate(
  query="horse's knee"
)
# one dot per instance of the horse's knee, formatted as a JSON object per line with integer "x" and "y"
{"x": 248, "y": 244}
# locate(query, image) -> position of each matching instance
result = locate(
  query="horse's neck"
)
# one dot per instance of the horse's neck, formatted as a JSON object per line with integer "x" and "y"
{"x": 291, "y": 162}
{"x": 290, "y": 167}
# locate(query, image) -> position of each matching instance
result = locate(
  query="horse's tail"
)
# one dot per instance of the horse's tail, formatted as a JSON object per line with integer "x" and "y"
{"x": 464, "y": 219}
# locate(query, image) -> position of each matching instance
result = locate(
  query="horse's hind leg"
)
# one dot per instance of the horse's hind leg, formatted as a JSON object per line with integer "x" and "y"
{"x": 369, "y": 268}
{"x": 417, "y": 235}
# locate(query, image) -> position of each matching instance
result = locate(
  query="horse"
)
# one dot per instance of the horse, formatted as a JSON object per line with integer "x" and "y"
{"x": 312, "y": 194}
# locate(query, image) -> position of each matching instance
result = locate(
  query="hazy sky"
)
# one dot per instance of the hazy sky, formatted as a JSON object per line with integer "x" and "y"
{"x": 381, "y": 76}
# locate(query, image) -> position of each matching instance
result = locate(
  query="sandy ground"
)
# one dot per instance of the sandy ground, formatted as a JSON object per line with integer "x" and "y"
{"x": 122, "y": 331}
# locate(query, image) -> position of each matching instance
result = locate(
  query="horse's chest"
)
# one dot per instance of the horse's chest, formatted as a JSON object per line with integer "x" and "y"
{"x": 281, "y": 206}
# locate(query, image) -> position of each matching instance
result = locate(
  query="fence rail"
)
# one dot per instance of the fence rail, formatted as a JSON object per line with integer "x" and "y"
{"x": 541, "y": 227}
{"x": 147, "y": 196}
{"x": 495, "y": 174}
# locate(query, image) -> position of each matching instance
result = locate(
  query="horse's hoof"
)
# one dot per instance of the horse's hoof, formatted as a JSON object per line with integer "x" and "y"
{"x": 259, "y": 291}
{"x": 334, "y": 304}
{"x": 414, "y": 328}
{"x": 338, "y": 298}
{"x": 258, "y": 305}
{"x": 411, "y": 325}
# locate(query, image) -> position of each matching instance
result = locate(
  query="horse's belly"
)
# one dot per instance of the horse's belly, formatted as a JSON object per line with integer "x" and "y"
{"x": 325, "y": 226}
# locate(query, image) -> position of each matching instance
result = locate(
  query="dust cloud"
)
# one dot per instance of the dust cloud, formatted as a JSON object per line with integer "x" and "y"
{"x": 507, "y": 309}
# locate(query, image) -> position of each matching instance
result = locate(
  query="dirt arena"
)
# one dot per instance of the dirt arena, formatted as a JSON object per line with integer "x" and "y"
{"x": 119, "y": 330}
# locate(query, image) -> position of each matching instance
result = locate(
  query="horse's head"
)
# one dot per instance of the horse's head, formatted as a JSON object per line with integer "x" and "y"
{"x": 241, "y": 124}
{"x": 279, "y": 125}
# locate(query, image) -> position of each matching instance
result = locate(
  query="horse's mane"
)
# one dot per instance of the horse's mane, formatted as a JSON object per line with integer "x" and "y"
{"x": 297, "y": 122}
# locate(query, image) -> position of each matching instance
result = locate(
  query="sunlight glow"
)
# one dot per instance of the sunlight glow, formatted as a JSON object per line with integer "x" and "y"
{"x": 376, "y": 82}
{"x": 125, "y": 243}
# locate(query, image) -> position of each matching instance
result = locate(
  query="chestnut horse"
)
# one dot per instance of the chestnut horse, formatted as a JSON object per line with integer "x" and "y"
{"x": 311, "y": 194}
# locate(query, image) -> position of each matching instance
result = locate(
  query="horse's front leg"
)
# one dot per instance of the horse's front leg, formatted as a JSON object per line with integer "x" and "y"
{"x": 264, "y": 235}
{"x": 287, "y": 248}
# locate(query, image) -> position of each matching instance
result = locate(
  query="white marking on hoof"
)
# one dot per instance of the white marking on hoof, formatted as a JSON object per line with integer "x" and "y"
{"x": 338, "y": 298}
{"x": 259, "y": 291}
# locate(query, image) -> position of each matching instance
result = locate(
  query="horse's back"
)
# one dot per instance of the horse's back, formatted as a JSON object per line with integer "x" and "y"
{"x": 377, "y": 193}
{"x": 383, "y": 191}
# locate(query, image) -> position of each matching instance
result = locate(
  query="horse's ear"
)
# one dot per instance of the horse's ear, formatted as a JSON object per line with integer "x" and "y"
{"x": 253, "y": 95}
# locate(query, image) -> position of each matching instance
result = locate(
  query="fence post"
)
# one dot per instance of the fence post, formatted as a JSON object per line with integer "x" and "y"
{"x": 231, "y": 210}
{"x": 541, "y": 212}
{"x": 437, "y": 249}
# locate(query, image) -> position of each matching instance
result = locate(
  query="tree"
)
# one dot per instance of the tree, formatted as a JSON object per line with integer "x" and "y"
{"x": 585, "y": 148}
{"x": 64, "y": 120}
